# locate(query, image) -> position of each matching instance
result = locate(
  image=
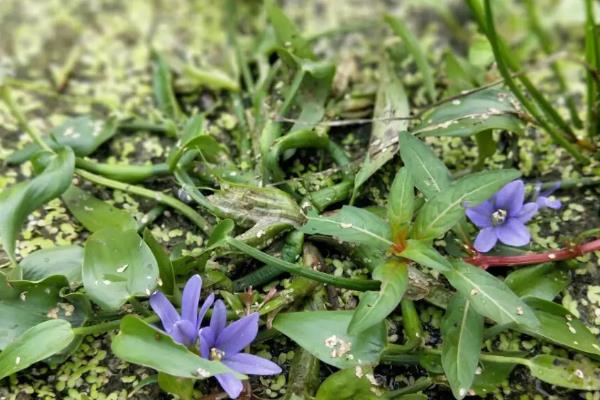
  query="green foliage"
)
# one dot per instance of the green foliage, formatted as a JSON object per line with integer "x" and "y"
{"x": 349, "y": 384}
{"x": 61, "y": 260}
{"x": 401, "y": 203}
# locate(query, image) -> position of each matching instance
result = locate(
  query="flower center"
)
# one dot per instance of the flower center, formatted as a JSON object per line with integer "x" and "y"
{"x": 498, "y": 217}
{"x": 216, "y": 354}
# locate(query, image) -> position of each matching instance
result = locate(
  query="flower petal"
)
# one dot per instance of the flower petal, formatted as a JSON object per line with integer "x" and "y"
{"x": 164, "y": 309}
{"x": 485, "y": 240}
{"x": 527, "y": 212}
{"x": 513, "y": 233}
{"x": 511, "y": 197}
{"x": 481, "y": 215}
{"x": 238, "y": 334}
{"x": 219, "y": 318}
{"x": 190, "y": 299}
{"x": 205, "y": 306}
{"x": 207, "y": 341}
{"x": 184, "y": 332}
{"x": 232, "y": 385}
{"x": 546, "y": 202}
{"x": 251, "y": 364}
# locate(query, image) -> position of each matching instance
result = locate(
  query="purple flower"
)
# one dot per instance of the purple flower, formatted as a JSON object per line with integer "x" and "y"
{"x": 543, "y": 199}
{"x": 503, "y": 218}
{"x": 225, "y": 343}
{"x": 182, "y": 328}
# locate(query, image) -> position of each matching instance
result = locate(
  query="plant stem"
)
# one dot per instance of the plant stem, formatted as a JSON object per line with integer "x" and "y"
{"x": 150, "y": 194}
{"x": 106, "y": 326}
{"x": 16, "y": 112}
{"x": 484, "y": 261}
{"x": 123, "y": 172}
{"x": 139, "y": 125}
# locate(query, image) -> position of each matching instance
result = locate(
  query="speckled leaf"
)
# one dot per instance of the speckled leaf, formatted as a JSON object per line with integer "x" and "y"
{"x": 351, "y": 224}
{"x": 350, "y": 384}
{"x": 18, "y": 201}
{"x": 579, "y": 374}
{"x": 390, "y": 102}
{"x": 374, "y": 307}
{"x": 61, "y": 260}
{"x": 446, "y": 209}
{"x": 95, "y": 214}
{"x": 492, "y": 108}
{"x": 462, "y": 334}
{"x": 118, "y": 265}
{"x": 490, "y": 296}
{"x": 429, "y": 173}
{"x": 37, "y": 343}
{"x": 401, "y": 203}
{"x": 324, "y": 335}
{"x": 543, "y": 281}
{"x": 140, "y": 343}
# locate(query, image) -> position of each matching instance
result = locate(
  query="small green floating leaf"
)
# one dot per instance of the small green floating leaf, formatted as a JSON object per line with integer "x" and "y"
{"x": 61, "y": 260}
{"x": 490, "y": 296}
{"x": 142, "y": 344}
{"x": 374, "y": 307}
{"x": 35, "y": 344}
{"x": 118, "y": 265}
{"x": 95, "y": 214}
{"x": 325, "y": 335}
{"x": 20, "y": 200}
{"x": 462, "y": 334}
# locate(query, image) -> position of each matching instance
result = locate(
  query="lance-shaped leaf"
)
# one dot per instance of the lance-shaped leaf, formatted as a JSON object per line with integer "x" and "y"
{"x": 445, "y": 210}
{"x": 544, "y": 281}
{"x": 493, "y": 108}
{"x": 24, "y": 304}
{"x": 18, "y": 201}
{"x": 142, "y": 344}
{"x": 82, "y": 134}
{"x": 35, "y": 344}
{"x": 350, "y": 384}
{"x": 390, "y": 102}
{"x": 351, "y": 224}
{"x": 559, "y": 326}
{"x": 61, "y": 260}
{"x": 374, "y": 307}
{"x": 162, "y": 84}
{"x": 95, "y": 214}
{"x": 429, "y": 173}
{"x": 422, "y": 252}
{"x": 401, "y": 204}
{"x": 118, "y": 265}
{"x": 579, "y": 374}
{"x": 325, "y": 335}
{"x": 286, "y": 33}
{"x": 462, "y": 334}
{"x": 490, "y": 296}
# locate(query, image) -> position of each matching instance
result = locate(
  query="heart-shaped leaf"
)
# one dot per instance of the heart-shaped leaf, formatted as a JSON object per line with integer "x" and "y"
{"x": 142, "y": 344}
{"x": 18, "y": 201}
{"x": 118, "y": 265}
{"x": 325, "y": 335}
{"x": 62, "y": 260}
{"x": 35, "y": 344}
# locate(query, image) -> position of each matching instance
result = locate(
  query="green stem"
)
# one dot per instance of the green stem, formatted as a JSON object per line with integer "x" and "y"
{"x": 123, "y": 172}
{"x": 150, "y": 194}
{"x": 139, "y": 125}
{"x": 592, "y": 56}
{"x": 16, "y": 112}
{"x": 107, "y": 326}
{"x": 354, "y": 284}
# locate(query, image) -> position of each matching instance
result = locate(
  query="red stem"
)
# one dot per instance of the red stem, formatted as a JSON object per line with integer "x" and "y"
{"x": 484, "y": 261}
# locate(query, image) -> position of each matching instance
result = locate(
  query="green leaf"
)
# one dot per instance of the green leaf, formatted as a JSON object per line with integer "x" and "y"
{"x": 182, "y": 387}
{"x": 118, "y": 265}
{"x": 429, "y": 173}
{"x": 544, "y": 281}
{"x": 351, "y": 224}
{"x": 287, "y": 33}
{"x": 24, "y": 304}
{"x": 95, "y": 214}
{"x": 374, "y": 307}
{"x": 62, "y": 260}
{"x": 422, "y": 252}
{"x": 325, "y": 335}
{"x": 462, "y": 334}
{"x": 37, "y": 343}
{"x": 350, "y": 384}
{"x": 559, "y": 326}
{"x": 208, "y": 147}
{"x": 401, "y": 203}
{"x": 162, "y": 84}
{"x": 142, "y": 344}
{"x": 486, "y": 146}
{"x": 491, "y": 377}
{"x": 446, "y": 209}
{"x": 574, "y": 374}
{"x": 18, "y": 201}
{"x": 82, "y": 134}
{"x": 414, "y": 47}
{"x": 493, "y": 108}
{"x": 490, "y": 296}
{"x": 165, "y": 267}
{"x": 390, "y": 102}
